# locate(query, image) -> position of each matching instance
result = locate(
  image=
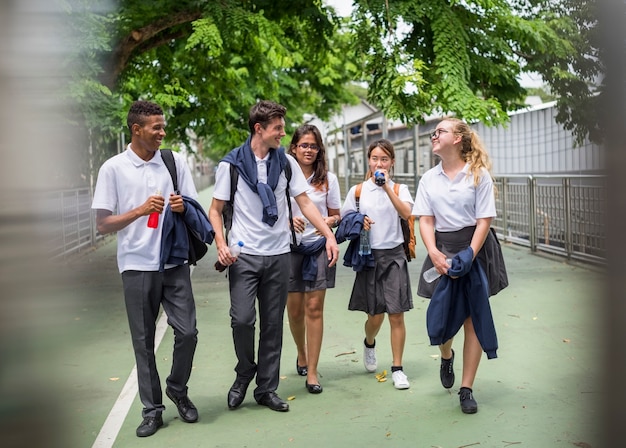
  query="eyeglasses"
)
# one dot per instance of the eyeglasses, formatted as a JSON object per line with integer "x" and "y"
{"x": 310, "y": 146}
{"x": 437, "y": 132}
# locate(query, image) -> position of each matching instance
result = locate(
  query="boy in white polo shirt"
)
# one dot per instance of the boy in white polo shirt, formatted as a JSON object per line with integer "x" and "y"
{"x": 132, "y": 186}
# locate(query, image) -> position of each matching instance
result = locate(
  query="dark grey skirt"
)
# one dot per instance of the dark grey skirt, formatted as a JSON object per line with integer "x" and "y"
{"x": 490, "y": 258}
{"x": 325, "y": 276}
{"x": 386, "y": 288}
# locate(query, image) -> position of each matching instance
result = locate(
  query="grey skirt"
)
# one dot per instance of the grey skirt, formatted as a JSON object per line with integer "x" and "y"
{"x": 325, "y": 276}
{"x": 490, "y": 258}
{"x": 386, "y": 288}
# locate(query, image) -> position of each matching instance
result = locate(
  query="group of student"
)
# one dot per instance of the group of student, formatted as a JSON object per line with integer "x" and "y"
{"x": 285, "y": 207}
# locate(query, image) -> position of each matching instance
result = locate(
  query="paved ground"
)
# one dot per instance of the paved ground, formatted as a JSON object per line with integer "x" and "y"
{"x": 541, "y": 391}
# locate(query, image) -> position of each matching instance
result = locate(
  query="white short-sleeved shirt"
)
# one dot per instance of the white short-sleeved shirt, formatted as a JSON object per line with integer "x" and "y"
{"x": 456, "y": 203}
{"x": 386, "y": 232}
{"x": 259, "y": 238}
{"x": 125, "y": 181}
{"x": 323, "y": 199}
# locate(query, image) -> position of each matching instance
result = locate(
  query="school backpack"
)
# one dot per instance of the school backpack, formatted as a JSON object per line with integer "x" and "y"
{"x": 408, "y": 225}
{"x": 197, "y": 247}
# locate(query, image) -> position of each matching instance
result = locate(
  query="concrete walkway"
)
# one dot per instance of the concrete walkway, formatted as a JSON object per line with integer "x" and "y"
{"x": 541, "y": 391}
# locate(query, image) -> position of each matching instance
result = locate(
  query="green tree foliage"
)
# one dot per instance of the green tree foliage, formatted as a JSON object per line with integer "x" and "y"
{"x": 572, "y": 65}
{"x": 208, "y": 61}
{"x": 466, "y": 57}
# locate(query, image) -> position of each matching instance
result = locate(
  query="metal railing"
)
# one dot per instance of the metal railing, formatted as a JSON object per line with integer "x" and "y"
{"x": 72, "y": 223}
{"x": 562, "y": 215}
{"x": 558, "y": 214}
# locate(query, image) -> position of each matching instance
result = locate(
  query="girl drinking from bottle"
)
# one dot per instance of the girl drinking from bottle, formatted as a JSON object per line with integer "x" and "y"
{"x": 382, "y": 286}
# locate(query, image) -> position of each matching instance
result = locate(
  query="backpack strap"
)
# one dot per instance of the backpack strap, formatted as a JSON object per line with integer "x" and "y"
{"x": 170, "y": 163}
{"x": 288, "y": 176}
{"x": 234, "y": 177}
{"x": 357, "y": 196}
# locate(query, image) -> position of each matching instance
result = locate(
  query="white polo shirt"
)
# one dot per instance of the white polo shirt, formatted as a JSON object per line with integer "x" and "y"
{"x": 323, "y": 199}
{"x": 259, "y": 238}
{"x": 125, "y": 181}
{"x": 386, "y": 232}
{"x": 456, "y": 203}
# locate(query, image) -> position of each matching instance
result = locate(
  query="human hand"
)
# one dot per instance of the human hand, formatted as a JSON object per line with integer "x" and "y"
{"x": 299, "y": 224}
{"x": 367, "y": 223}
{"x": 176, "y": 203}
{"x": 154, "y": 204}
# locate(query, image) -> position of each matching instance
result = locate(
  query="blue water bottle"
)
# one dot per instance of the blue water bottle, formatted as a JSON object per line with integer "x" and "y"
{"x": 379, "y": 178}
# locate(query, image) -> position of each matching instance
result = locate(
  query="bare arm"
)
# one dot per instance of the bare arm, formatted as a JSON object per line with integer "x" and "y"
{"x": 427, "y": 232}
{"x": 107, "y": 222}
{"x": 403, "y": 208}
{"x": 480, "y": 234}
{"x": 216, "y": 220}
{"x": 313, "y": 215}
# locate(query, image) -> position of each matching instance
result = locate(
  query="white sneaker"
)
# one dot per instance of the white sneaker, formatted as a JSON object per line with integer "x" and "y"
{"x": 400, "y": 381}
{"x": 369, "y": 358}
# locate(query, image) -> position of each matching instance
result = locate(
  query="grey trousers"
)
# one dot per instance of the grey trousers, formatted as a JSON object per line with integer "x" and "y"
{"x": 265, "y": 278}
{"x": 144, "y": 293}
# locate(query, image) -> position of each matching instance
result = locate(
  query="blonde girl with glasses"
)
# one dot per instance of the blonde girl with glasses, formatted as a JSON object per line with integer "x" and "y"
{"x": 455, "y": 204}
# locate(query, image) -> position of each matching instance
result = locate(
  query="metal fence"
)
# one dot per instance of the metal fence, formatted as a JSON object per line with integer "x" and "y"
{"x": 72, "y": 224}
{"x": 562, "y": 215}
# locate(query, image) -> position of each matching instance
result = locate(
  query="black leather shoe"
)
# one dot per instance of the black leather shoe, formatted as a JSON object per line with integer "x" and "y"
{"x": 272, "y": 401}
{"x": 236, "y": 394}
{"x": 149, "y": 426}
{"x": 186, "y": 409}
{"x": 302, "y": 371}
{"x": 313, "y": 388}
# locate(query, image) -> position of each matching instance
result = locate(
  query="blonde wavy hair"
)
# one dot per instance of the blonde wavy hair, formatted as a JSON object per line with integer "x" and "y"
{"x": 473, "y": 150}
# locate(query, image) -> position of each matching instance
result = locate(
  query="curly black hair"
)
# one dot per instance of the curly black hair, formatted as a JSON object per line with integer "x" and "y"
{"x": 139, "y": 110}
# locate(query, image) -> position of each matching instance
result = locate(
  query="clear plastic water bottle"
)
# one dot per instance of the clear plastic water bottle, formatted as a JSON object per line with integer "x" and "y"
{"x": 364, "y": 243}
{"x": 235, "y": 250}
{"x": 431, "y": 275}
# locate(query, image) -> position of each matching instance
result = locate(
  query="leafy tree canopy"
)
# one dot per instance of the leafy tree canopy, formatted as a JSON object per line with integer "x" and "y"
{"x": 206, "y": 62}
{"x": 466, "y": 57}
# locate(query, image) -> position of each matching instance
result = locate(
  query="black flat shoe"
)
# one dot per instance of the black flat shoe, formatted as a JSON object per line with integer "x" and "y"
{"x": 302, "y": 371}
{"x": 313, "y": 388}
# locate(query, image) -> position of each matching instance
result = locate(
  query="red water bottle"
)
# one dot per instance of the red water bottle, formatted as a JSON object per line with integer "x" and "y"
{"x": 153, "y": 219}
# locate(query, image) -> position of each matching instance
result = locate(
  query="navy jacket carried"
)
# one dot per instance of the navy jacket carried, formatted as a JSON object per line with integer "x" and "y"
{"x": 456, "y": 299}
{"x": 174, "y": 241}
{"x": 309, "y": 262}
{"x": 350, "y": 229}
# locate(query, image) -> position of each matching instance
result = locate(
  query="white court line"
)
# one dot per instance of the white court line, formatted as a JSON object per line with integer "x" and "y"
{"x": 115, "y": 420}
